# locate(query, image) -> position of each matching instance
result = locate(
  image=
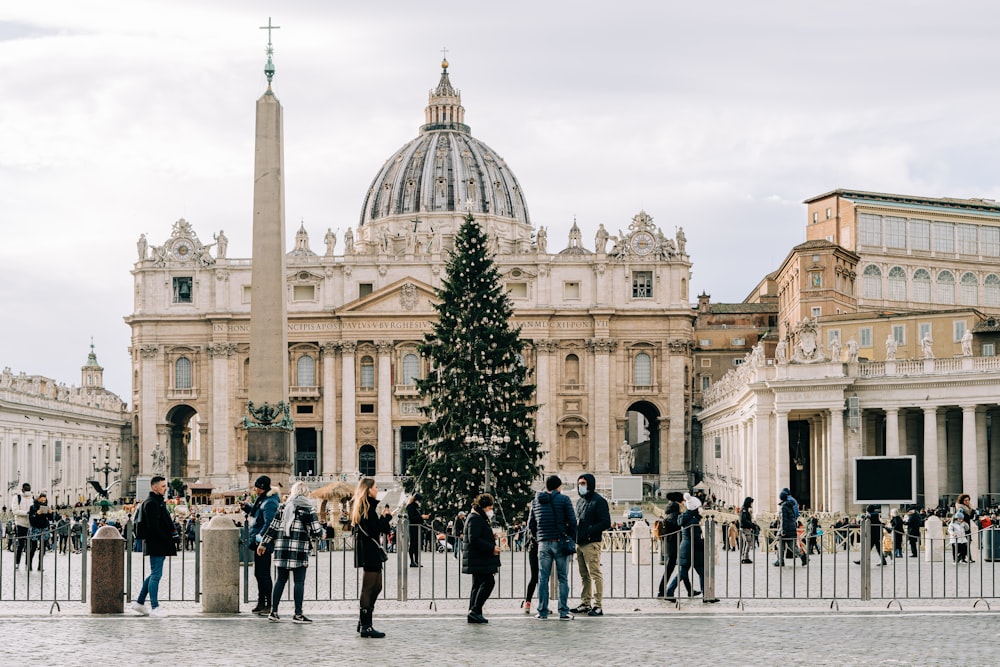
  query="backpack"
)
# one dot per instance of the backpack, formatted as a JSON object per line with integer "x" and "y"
{"x": 138, "y": 523}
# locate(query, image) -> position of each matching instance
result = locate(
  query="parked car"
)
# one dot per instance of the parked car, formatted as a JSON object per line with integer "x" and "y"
{"x": 634, "y": 512}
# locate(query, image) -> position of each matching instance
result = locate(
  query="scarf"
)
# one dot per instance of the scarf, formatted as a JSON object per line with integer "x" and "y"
{"x": 288, "y": 517}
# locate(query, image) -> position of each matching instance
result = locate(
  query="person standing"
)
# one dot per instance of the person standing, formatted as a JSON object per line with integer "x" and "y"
{"x": 552, "y": 519}
{"x": 875, "y": 529}
{"x": 747, "y": 531}
{"x": 896, "y": 525}
{"x": 457, "y": 531}
{"x": 367, "y": 552}
{"x": 789, "y": 530}
{"x": 416, "y": 519}
{"x": 159, "y": 545}
{"x": 290, "y": 532}
{"x": 914, "y": 523}
{"x": 671, "y": 535}
{"x": 21, "y": 504}
{"x": 263, "y": 510}
{"x": 692, "y": 549}
{"x": 592, "y": 518}
{"x": 480, "y": 555}
{"x": 530, "y": 545}
{"x": 40, "y": 520}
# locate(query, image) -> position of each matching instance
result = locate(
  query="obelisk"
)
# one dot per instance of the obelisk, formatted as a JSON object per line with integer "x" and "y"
{"x": 269, "y": 424}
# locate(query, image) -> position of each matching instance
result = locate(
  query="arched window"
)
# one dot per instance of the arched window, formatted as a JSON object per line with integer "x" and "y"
{"x": 945, "y": 292}
{"x": 872, "y": 285}
{"x": 366, "y": 460}
{"x": 643, "y": 371}
{"x": 991, "y": 291}
{"x": 921, "y": 285}
{"x": 411, "y": 369}
{"x": 305, "y": 372}
{"x": 182, "y": 373}
{"x": 897, "y": 284}
{"x": 367, "y": 372}
{"x": 571, "y": 371}
{"x": 969, "y": 290}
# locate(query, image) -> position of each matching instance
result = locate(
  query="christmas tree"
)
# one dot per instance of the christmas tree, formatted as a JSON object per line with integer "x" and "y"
{"x": 480, "y": 416}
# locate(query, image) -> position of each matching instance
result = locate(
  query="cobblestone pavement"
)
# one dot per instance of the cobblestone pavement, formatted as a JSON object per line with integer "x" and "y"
{"x": 655, "y": 634}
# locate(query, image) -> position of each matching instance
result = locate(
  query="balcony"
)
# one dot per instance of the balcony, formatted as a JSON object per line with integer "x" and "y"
{"x": 643, "y": 389}
{"x": 406, "y": 390}
{"x": 303, "y": 392}
{"x": 175, "y": 394}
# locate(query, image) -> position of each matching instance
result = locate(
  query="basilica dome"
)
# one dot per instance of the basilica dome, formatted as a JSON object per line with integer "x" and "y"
{"x": 444, "y": 171}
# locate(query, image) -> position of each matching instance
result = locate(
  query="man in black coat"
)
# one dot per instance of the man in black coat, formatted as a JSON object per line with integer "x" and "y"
{"x": 416, "y": 519}
{"x": 592, "y": 518}
{"x": 158, "y": 540}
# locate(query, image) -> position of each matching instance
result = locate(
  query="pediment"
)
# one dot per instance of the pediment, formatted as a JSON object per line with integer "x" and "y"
{"x": 406, "y": 296}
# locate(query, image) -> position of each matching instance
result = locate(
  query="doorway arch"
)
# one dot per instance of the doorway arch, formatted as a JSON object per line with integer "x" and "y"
{"x": 642, "y": 432}
{"x": 179, "y": 432}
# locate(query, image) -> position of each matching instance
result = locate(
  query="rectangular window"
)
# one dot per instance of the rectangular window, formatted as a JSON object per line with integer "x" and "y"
{"x": 958, "y": 327}
{"x": 718, "y": 447}
{"x": 58, "y": 451}
{"x": 866, "y": 336}
{"x": 988, "y": 350}
{"x": 706, "y": 363}
{"x": 518, "y": 290}
{"x": 925, "y": 330}
{"x": 183, "y": 290}
{"x": 815, "y": 217}
{"x": 367, "y": 376}
{"x": 870, "y": 229}
{"x": 816, "y": 311}
{"x": 944, "y": 237}
{"x": 704, "y": 342}
{"x": 989, "y": 241}
{"x": 738, "y": 342}
{"x": 571, "y": 291}
{"x": 920, "y": 235}
{"x": 899, "y": 334}
{"x": 304, "y": 293}
{"x": 895, "y": 232}
{"x": 246, "y": 294}
{"x": 367, "y": 408}
{"x": 832, "y": 335}
{"x": 829, "y": 213}
{"x": 364, "y": 289}
{"x": 642, "y": 284}
{"x": 737, "y": 362}
{"x": 968, "y": 239}
{"x": 304, "y": 409}
{"x": 706, "y": 382}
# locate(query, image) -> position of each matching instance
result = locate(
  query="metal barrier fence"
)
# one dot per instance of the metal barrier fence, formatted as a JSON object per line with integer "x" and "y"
{"x": 841, "y": 566}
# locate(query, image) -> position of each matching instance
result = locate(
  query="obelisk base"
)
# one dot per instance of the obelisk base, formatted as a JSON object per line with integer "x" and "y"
{"x": 268, "y": 454}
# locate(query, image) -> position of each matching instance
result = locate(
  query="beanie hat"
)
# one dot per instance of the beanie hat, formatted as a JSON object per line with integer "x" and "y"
{"x": 552, "y": 483}
{"x": 959, "y": 514}
{"x": 692, "y": 503}
{"x": 263, "y": 482}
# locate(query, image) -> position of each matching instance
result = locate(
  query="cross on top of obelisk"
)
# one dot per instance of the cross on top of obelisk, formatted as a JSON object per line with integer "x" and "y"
{"x": 269, "y": 67}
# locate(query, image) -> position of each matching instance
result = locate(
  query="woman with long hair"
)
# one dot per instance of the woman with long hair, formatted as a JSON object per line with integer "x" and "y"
{"x": 293, "y": 525}
{"x": 367, "y": 552}
{"x": 480, "y": 555}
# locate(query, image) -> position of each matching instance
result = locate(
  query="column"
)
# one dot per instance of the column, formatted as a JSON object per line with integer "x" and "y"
{"x": 383, "y": 462}
{"x": 994, "y": 450}
{"x": 781, "y": 472}
{"x": 970, "y": 474}
{"x": 982, "y": 455}
{"x": 673, "y": 452}
{"x": 892, "y": 431}
{"x": 331, "y": 462}
{"x": 763, "y": 470}
{"x": 932, "y": 489}
{"x": 544, "y": 416}
{"x": 602, "y": 349}
{"x": 148, "y": 430}
{"x": 217, "y": 456}
{"x": 397, "y": 450}
{"x": 349, "y": 409}
{"x": 838, "y": 462}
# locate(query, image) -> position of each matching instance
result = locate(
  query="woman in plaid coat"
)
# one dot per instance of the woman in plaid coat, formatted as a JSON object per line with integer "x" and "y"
{"x": 291, "y": 530}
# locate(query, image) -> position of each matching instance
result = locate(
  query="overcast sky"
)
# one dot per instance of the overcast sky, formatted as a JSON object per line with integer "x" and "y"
{"x": 118, "y": 118}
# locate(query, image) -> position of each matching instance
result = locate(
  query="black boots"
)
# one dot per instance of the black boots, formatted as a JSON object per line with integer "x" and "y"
{"x": 365, "y": 624}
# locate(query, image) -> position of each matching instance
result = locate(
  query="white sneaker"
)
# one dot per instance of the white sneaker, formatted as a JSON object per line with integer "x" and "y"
{"x": 158, "y": 612}
{"x": 140, "y": 609}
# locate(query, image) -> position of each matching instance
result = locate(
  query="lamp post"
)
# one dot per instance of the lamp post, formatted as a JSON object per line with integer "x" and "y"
{"x": 106, "y": 468}
{"x": 489, "y": 446}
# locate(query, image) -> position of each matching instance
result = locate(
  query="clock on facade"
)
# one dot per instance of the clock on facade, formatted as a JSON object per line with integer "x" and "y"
{"x": 181, "y": 250}
{"x": 642, "y": 243}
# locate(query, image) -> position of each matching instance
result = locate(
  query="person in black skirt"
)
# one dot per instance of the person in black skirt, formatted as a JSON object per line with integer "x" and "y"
{"x": 367, "y": 552}
{"x": 480, "y": 555}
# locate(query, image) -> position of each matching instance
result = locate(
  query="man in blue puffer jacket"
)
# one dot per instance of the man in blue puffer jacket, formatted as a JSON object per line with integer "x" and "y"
{"x": 552, "y": 518}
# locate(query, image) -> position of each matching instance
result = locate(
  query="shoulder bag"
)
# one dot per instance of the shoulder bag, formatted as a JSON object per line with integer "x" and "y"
{"x": 381, "y": 550}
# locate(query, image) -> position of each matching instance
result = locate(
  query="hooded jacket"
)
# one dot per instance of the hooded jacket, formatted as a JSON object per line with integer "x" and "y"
{"x": 552, "y": 516}
{"x": 263, "y": 514}
{"x": 592, "y": 514}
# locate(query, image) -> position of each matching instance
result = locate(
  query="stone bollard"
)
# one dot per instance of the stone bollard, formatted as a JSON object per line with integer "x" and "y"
{"x": 220, "y": 559}
{"x": 641, "y": 542}
{"x": 107, "y": 576}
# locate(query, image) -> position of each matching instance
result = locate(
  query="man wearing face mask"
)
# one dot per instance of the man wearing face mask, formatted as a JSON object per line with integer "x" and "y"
{"x": 592, "y": 518}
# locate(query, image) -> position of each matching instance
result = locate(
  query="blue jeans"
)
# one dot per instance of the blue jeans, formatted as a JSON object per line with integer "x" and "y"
{"x": 151, "y": 584}
{"x": 548, "y": 552}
